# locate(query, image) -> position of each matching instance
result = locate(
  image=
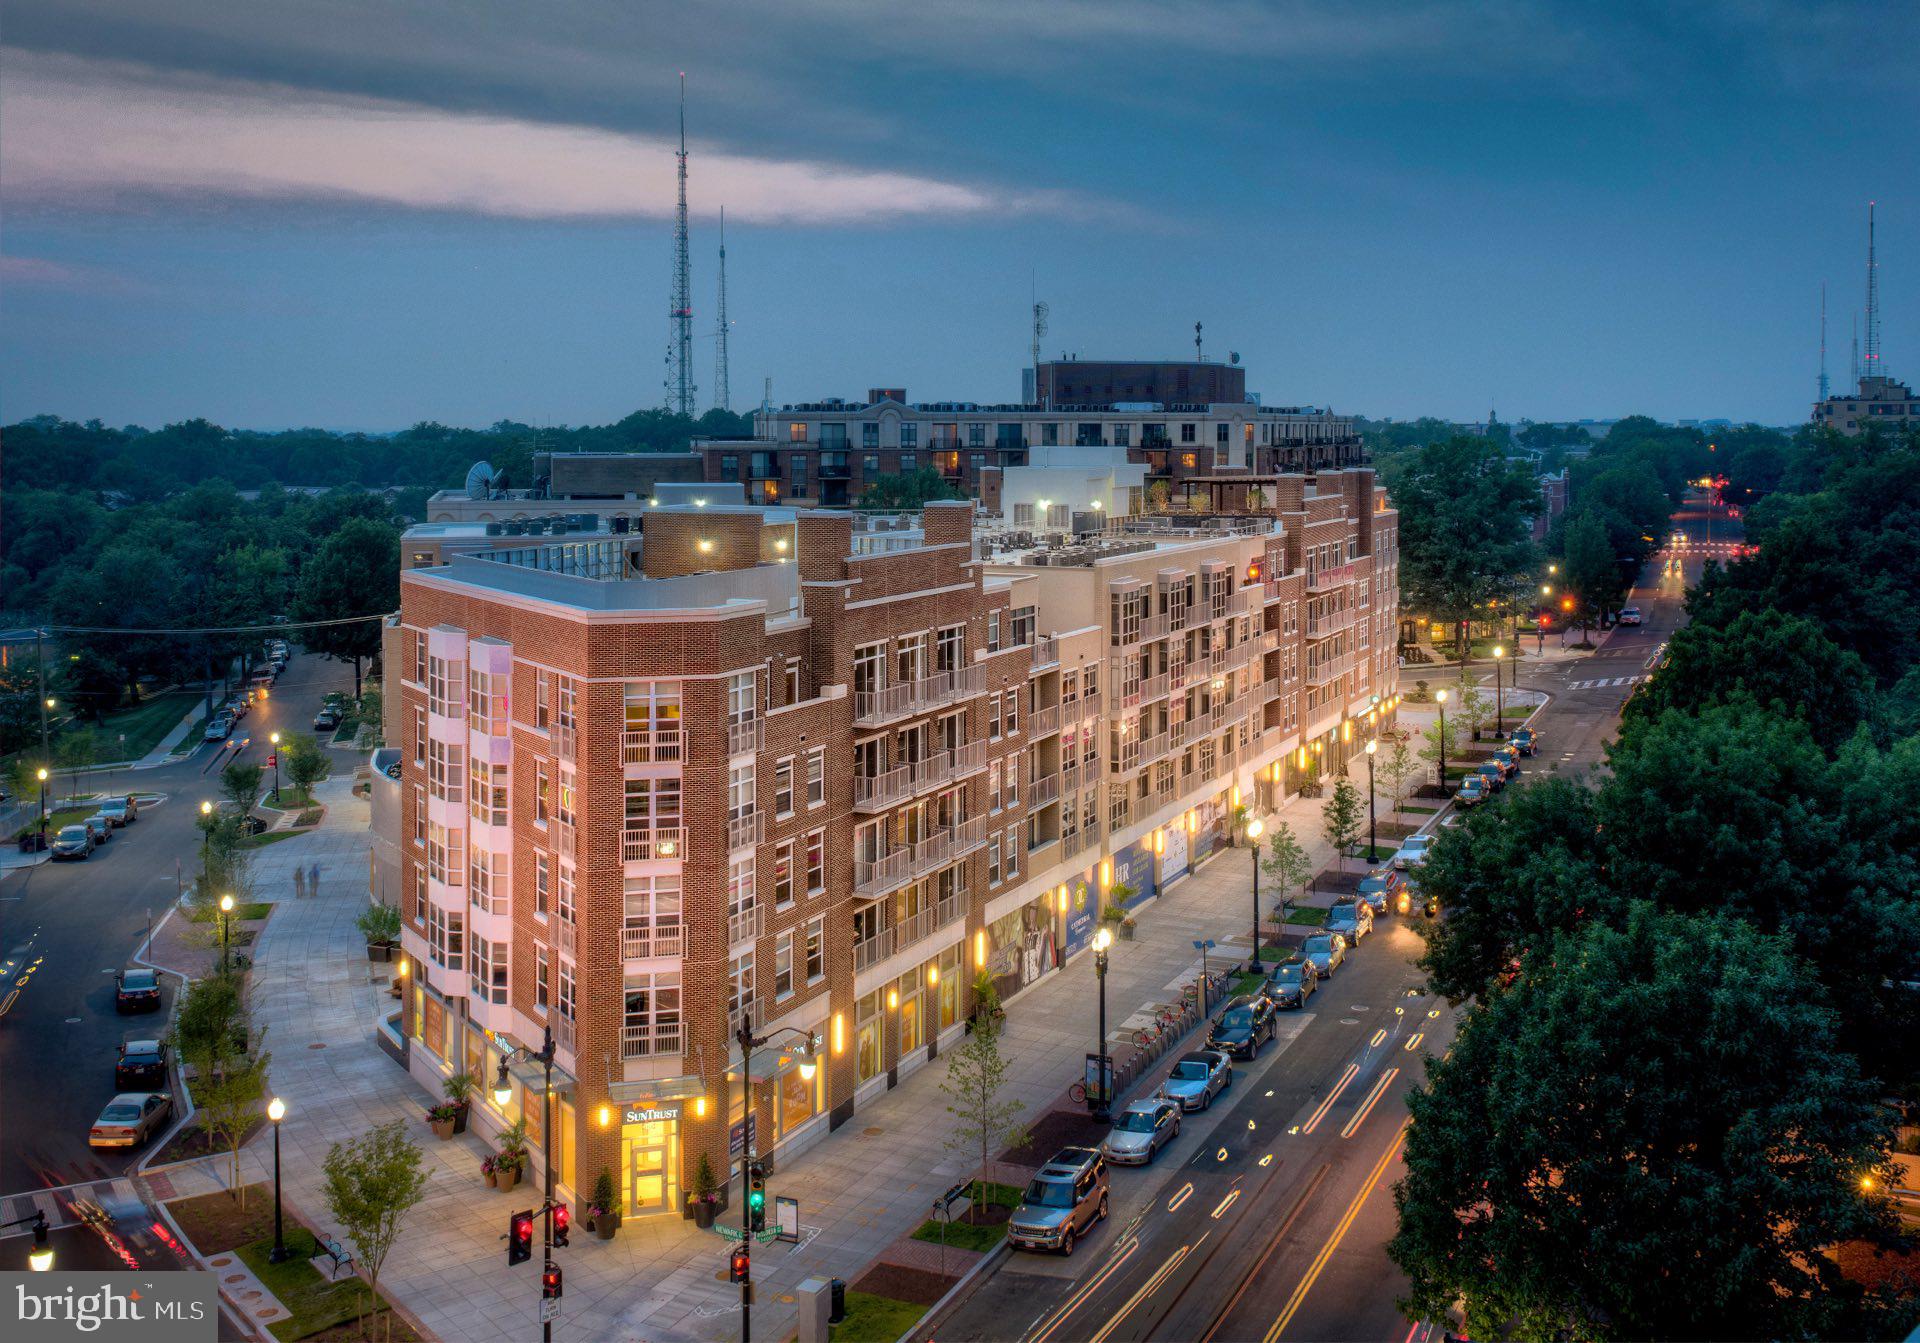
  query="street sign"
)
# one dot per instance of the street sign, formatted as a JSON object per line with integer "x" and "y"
{"x": 549, "y": 1309}
{"x": 1204, "y": 944}
{"x": 786, "y": 1219}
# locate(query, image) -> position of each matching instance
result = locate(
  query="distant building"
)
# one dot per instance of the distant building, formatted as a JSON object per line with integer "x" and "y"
{"x": 1877, "y": 400}
{"x": 562, "y": 482}
{"x": 1104, "y": 383}
{"x": 1553, "y": 502}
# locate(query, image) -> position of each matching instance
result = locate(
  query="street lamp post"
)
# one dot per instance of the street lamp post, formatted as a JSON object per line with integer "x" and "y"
{"x": 226, "y": 928}
{"x": 502, "y": 1094}
{"x": 1440, "y": 698}
{"x": 1254, "y": 830}
{"x": 206, "y": 836}
{"x": 1373, "y": 827}
{"x": 273, "y": 739}
{"x": 749, "y": 1042}
{"x": 1499, "y": 702}
{"x": 279, "y": 1254}
{"x": 41, "y": 774}
{"x": 1101, "y": 1105}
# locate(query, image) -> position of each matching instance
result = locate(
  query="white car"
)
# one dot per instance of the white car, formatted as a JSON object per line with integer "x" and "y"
{"x": 130, "y": 1119}
{"x": 1412, "y": 852}
{"x": 1629, "y": 615}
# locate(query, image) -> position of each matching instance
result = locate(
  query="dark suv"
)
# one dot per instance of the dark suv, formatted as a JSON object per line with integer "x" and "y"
{"x": 1244, "y": 1026}
{"x": 1063, "y": 1201}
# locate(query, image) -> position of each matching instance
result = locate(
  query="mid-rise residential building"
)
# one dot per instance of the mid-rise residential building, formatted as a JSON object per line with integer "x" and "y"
{"x": 814, "y": 772}
{"x": 1875, "y": 401}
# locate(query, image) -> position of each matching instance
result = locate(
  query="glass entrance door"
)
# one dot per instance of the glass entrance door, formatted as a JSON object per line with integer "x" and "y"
{"x": 653, "y": 1167}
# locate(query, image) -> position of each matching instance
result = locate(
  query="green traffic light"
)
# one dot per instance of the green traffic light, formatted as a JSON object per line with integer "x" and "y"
{"x": 756, "y": 1200}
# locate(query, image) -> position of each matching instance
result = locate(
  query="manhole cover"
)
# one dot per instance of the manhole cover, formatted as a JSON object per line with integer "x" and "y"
{"x": 865, "y": 1133}
{"x": 317, "y": 1044}
{"x": 1349, "y": 1021}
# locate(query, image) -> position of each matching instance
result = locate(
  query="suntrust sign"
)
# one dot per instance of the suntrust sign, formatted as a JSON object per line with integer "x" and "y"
{"x": 148, "y": 1307}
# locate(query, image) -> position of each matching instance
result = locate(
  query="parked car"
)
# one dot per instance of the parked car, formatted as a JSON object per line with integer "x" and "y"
{"x": 1063, "y": 1200}
{"x": 1508, "y": 758}
{"x": 1473, "y": 791}
{"x": 1140, "y": 1131}
{"x": 130, "y": 1119}
{"x": 73, "y": 842}
{"x": 1629, "y": 615}
{"x": 1525, "y": 740}
{"x": 101, "y": 826}
{"x": 121, "y": 810}
{"x": 326, "y": 720}
{"x": 1291, "y": 984}
{"x": 137, "y": 991}
{"x": 1327, "y": 951}
{"x": 142, "y": 1066}
{"x": 1243, "y": 1027}
{"x": 1197, "y": 1078}
{"x": 1351, "y": 919}
{"x": 1378, "y": 888}
{"x": 1412, "y": 851}
{"x": 219, "y": 728}
{"x": 1494, "y": 776}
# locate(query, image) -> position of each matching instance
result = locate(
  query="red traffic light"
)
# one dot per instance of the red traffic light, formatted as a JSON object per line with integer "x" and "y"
{"x": 520, "y": 1238}
{"x": 739, "y": 1264}
{"x": 550, "y": 1282}
{"x": 562, "y": 1219}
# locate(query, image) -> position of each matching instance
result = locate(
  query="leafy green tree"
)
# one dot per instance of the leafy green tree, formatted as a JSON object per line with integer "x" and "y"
{"x": 240, "y": 785}
{"x": 1588, "y": 572}
{"x": 372, "y": 1183}
{"x": 1395, "y": 767}
{"x": 354, "y": 573}
{"x": 76, "y": 751}
{"x": 228, "y": 1098}
{"x": 1287, "y": 865}
{"x": 983, "y": 1118}
{"x": 1341, "y": 817}
{"x": 303, "y": 760}
{"x": 1658, "y": 1140}
{"x": 1436, "y": 744}
{"x": 909, "y": 490}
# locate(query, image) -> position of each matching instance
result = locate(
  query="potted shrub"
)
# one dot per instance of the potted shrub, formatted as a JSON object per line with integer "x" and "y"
{"x": 440, "y": 1119}
{"x": 511, "y": 1159}
{"x": 487, "y": 1172}
{"x": 986, "y": 1000}
{"x": 605, "y": 1208}
{"x": 705, "y": 1199}
{"x": 1127, "y": 927}
{"x": 459, "y": 1087}
{"x": 380, "y": 925}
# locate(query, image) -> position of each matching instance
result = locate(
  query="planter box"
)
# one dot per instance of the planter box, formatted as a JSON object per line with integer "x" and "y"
{"x": 380, "y": 952}
{"x": 506, "y": 1179}
{"x": 442, "y": 1129}
{"x": 704, "y": 1213}
{"x": 460, "y": 1119}
{"x": 607, "y": 1223}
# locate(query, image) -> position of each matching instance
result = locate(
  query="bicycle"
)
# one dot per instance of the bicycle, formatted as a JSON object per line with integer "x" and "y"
{"x": 1077, "y": 1093}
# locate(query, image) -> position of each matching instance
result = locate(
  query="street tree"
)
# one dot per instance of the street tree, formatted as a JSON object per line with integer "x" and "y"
{"x": 228, "y": 1095}
{"x": 1395, "y": 767}
{"x": 984, "y": 1119}
{"x": 1660, "y": 1139}
{"x": 303, "y": 760}
{"x": 1473, "y": 707}
{"x": 1341, "y": 818}
{"x": 75, "y": 751}
{"x": 240, "y": 785}
{"x": 1436, "y": 743}
{"x": 1289, "y": 868}
{"x": 372, "y": 1182}
{"x": 354, "y": 576}
{"x": 1589, "y": 574}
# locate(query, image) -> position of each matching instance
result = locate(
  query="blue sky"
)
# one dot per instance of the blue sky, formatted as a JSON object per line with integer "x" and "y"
{"x": 362, "y": 213}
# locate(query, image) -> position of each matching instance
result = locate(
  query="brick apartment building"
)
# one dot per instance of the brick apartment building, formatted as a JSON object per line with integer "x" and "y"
{"x": 1211, "y": 451}
{"x": 817, "y": 771}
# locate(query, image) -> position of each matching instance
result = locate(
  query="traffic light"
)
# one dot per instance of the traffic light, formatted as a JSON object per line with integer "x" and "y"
{"x": 756, "y": 1198}
{"x": 519, "y": 1238}
{"x": 739, "y": 1265}
{"x": 562, "y": 1219}
{"x": 550, "y": 1283}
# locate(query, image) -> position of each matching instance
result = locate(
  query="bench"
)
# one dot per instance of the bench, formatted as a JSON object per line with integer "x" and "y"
{"x": 335, "y": 1251}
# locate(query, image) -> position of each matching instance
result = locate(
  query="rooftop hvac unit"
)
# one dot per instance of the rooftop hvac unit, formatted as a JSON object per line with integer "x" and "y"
{"x": 494, "y": 529}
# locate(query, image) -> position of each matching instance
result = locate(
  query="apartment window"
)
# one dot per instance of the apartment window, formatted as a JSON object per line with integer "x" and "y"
{"x": 993, "y": 859}
{"x": 567, "y": 796}
{"x": 650, "y": 1021}
{"x": 817, "y": 777}
{"x": 564, "y": 892}
{"x": 1188, "y": 433}
{"x": 976, "y": 435}
{"x": 653, "y": 804}
{"x": 1122, "y": 435}
{"x": 652, "y": 720}
{"x": 419, "y": 736}
{"x": 783, "y": 786}
{"x": 742, "y": 900}
{"x": 783, "y": 874}
{"x": 909, "y": 434}
{"x": 542, "y": 975}
{"x": 740, "y": 990}
{"x": 816, "y": 950}
{"x": 446, "y": 938}
{"x": 487, "y": 968}
{"x": 869, "y": 466}
{"x": 869, "y": 668}
{"x": 487, "y": 883}
{"x": 487, "y": 702}
{"x": 783, "y": 966}
{"x": 993, "y": 631}
{"x": 1049, "y": 435}
{"x": 909, "y": 463}
{"x": 816, "y": 862}
{"x": 446, "y": 854}
{"x": 993, "y": 716}
{"x": 869, "y": 435}
{"x": 1013, "y": 779}
{"x": 652, "y": 912}
{"x": 799, "y": 474}
{"x": 730, "y": 466}
{"x": 446, "y": 771}
{"x": 796, "y": 433}
{"x": 742, "y": 702}
{"x": 419, "y": 815}
{"x": 542, "y": 882}
{"x": 567, "y": 991}
{"x": 793, "y": 680}
{"x": 1012, "y": 851}
{"x": 740, "y": 792}
{"x": 420, "y": 659}
{"x": 542, "y": 697}
{"x": 1012, "y": 720}
{"x": 993, "y": 786}
{"x": 419, "y": 892}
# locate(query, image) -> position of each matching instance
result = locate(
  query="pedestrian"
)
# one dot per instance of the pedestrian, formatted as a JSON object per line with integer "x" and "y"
{"x": 299, "y": 882}
{"x": 313, "y": 880}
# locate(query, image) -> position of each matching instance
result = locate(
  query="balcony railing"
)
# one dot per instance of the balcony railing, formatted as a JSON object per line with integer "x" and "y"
{"x": 646, "y": 1042}
{"x": 1322, "y": 579}
{"x": 1079, "y": 842}
{"x": 1043, "y": 722}
{"x": 1070, "y": 776}
{"x": 1320, "y": 624}
{"x": 641, "y": 938}
{"x": 1043, "y": 790}
{"x": 914, "y": 927}
{"x": 876, "y": 876}
{"x": 877, "y": 792}
{"x": 743, "y": 832}
{"x": 1119, "y": 810}
{"x": 1328, "y": 669}
{"x": 565, "y": 838}
{"x": 563, "y": 1033}
{"x": 641, "y": 845}
{"x": 871, "y": 707}
{"x": 869, "y": 952}
{"x": 1269, "y": 641}
{"x": 745, "y": 734}
{"x": 1155, "y": 687}
{"x": 652, "y": 746}
{"x": 744, "y": 924}
{"x": 1126, "y": 756}
{"x": 1046, "y": 652}
{"x": 569, "y": 938}
{"x": 945, "y": 845}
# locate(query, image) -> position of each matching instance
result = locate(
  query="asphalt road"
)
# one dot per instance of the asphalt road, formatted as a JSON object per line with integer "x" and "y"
{"x": 66, "y": 928}
{"x": 1274, "y": 1224}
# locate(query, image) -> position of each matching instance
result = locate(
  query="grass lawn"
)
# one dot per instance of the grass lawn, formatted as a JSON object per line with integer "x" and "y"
{"x": 292, "y": 798}
{"x": 253, "y": 909}
{"x": 260, "y": 841}
{"x": 216, "y": 1222}
{"x": 313, "y": 1303}
{"x": 1245, "y": 982}
{"x": 145, "y": 724}
{"x": 1001, "y": 1199}
{"x": 1310, "y": 915}
{"x": 876, "y": 1319}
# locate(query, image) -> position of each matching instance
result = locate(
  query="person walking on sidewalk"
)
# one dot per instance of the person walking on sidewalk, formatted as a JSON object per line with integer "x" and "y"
{"x": 313, "y": 880}
{"x": 299, "y": 882}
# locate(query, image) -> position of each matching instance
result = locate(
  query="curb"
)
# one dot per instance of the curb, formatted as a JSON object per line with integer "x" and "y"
{"x": 956, "y": 1294}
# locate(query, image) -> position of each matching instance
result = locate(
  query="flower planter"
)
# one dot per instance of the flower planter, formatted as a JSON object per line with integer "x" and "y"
{"x": 506, "y": 1179}
{"x": 1126, "y": 932}
{"x": 606, "y": 1224}
{"x": 704, "y": 1213}
{"x": 442, "y": 1128}
{"x": 493, "y": 1181}
{"x": 380, "y": 952}
{"x": 460, "y": 1118}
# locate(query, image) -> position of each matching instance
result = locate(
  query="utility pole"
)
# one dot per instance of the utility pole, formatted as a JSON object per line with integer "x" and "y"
{"x": 40, "y": 660}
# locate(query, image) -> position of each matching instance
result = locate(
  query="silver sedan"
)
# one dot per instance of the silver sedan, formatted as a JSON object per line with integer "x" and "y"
{"x": 1197, "y": 1078}
{"x": 1140, "y": 1131}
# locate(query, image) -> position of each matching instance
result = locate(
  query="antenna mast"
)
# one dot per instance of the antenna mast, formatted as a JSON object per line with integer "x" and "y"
{"x": 1823, "y": 341}
{"x": 1856, "y": 354}
{"x": 1040, "y": 312}
{"x": 722, "y": 395}
{"x": 680, "y": 312}
{"x": 1870, "y": 367}
{"x": 1198, "y": 357}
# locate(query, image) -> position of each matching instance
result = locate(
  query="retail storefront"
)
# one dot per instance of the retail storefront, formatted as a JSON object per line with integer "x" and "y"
{"x": 650, "y": 1157}
{"x": 1021, "y": 945}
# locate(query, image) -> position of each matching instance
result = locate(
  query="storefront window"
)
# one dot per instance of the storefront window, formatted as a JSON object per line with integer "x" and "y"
{"x": 948, "y": 989}
{"x": 433, "y": 1028}
{"x": 867, "y": 1042}
{"x": 799, "y": 1099}
{"x": 911, "y": 1035}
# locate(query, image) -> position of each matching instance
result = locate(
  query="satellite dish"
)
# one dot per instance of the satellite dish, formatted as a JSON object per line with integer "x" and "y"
{"x": 480, "y": 480}
{"x": 1234, "y": 355}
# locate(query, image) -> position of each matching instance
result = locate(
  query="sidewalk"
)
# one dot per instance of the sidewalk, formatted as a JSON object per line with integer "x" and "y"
{"x": 859, "y": 1189}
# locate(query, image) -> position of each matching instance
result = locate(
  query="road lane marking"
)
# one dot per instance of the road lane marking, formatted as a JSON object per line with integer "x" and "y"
{"x": 1378, "y": 1036}
{"x": 1286, "y": 1225}
{"x": 1366, "y": 1106}
{"x": 1148, "y": 1288}
{"x": 1332, "y": 1096}
{"x": 1186, "y": 1192}
{"x": 1092, "y": 1285}
{"x": 1339, "y": 1234}
{"x": 1225, "y": 1203}
{"x": 1413, "y": 1041}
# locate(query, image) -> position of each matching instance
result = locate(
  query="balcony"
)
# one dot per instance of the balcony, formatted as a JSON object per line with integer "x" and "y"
{"x": 642, "y": 845}
{"x": 569, "y": 938}
{"x": 655, "y": 746}
{"x": 743, "y": 832}
{"x": 1155, "y": 687}
{"x": 946, "y": 845}
{"x": 1329, "y": 669}
{"x": 1152, "y": 748}
{"x": 1319, "y": 625}
{"x": 1322, "y": 580}
{"x": 1269, "y": 641}
{"x": 1079, "y": 842}
{"x": 1070, "y": 776}
{"x": 914, "y": 927}
{"x": 563, "y": 1033}
{"x": 1126, "y": 756}
{"x": 745, "y": 734}
{"x": 874, "y": 877}
{"x": 1043, "y": 722}
{"x": 877, "y": 792}
{"x": 744, "y": 925}
{"x": 566, "y": 740}
{"x": 646, "y": 1042}
{"x": 641, "y": 938}
{"x": 1152, "y": 627}
{"x": 869, "y": 952}
{"x": 1086, "y": 706}
{"x": 1046, "y": 652}
{"x": 1178, "y": 674}
{"x": 872, "y": 708}
{"x": 565, "y": 838}
{"x": 1043, "y": 790}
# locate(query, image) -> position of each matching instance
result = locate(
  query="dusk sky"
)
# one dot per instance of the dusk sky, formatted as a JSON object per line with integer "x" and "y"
{"x": 363, "y": 213}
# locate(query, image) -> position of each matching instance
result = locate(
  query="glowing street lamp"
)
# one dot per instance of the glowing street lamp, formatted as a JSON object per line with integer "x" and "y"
{"x": 1254, "y": 830}
{"x": 226, "y": 929}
